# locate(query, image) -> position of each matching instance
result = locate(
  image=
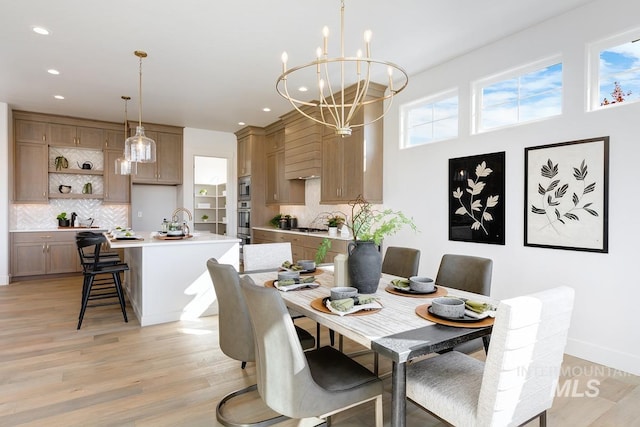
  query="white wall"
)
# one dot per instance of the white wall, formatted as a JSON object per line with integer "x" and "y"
{"x": 416, "y": 182}
{"x": 4, "y": 193}
{"x": 199, "y": 142}
{"x": 150, "y": 204}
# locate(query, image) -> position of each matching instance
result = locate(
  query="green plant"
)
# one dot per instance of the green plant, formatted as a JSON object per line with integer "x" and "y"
{"x": 321, "y": 252}
{"x": 370, "y": 224}
{"x": 276, "y": 220}
{"x": 62, "y": 215}
{"x": 205, "y": 217}
{"x": 335, "y": 221}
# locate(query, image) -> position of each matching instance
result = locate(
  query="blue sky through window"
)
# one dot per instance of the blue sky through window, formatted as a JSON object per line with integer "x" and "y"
{"x": 530, "y": 96}
{"x": 620, "y": 64}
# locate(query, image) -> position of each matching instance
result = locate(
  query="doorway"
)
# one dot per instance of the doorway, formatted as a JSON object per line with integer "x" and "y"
{"x": 210, "y": 194}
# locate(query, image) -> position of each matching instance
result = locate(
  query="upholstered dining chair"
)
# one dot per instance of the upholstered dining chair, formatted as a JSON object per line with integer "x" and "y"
{"x": 316, "y": 383}
{"x": 402, "y": 262}
{"x": 265, "y": 256}
{"x": 235, "y": 333}
{"x": 465, "y": 272}
{"x": 517, "y": 381}
{"x": 471, "y": 274}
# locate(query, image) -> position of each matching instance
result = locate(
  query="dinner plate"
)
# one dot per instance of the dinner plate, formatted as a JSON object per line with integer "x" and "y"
{"x": 465, "y": 319}
{"x": 128, "y": 238}
{"x": 319, "y": 304}
{"x": 299, "y": 271}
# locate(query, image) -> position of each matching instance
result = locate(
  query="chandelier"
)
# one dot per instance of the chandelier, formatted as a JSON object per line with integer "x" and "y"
{"x": 140, "y": 148}
{"x": 334, "y": 107}
{"x": 124, "y": 166}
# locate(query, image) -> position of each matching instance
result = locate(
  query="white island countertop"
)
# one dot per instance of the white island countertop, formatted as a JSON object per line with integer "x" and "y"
{"x": 148, "y": 239}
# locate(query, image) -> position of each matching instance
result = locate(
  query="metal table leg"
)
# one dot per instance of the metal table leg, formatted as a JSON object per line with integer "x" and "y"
{"x": 398, "y": 394}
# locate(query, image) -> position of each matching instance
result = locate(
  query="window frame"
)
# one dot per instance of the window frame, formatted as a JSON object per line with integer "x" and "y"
{"x": 407, "y": 107}
{"x": 478, "y": 85}
{"x": 593, "y": 67}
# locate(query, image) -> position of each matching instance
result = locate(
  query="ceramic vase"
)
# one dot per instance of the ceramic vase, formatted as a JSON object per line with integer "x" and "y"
{"x": 333, "y": 231}
{"x": 365, "y": 266}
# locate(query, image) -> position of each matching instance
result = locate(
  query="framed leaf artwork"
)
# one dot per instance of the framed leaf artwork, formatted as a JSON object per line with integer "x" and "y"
{"x": 476, "y": 198}
{"x": 566, "y": 195}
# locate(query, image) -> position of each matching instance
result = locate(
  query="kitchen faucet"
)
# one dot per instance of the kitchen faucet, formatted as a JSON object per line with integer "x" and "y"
{"x": 174, "y": 215}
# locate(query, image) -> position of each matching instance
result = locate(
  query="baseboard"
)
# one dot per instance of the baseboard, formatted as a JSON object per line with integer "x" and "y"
{"x": 625, "y": 362}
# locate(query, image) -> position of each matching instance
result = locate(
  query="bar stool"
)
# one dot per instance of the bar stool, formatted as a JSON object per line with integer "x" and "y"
{"x": 101, "y": 276}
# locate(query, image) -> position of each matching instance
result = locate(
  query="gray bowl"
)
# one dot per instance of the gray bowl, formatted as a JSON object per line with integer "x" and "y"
{"x": 342, "y": 292}
{"x": 448, "y": 307}
{"x": 307, "y": 264}
{"x": 421, "y": 284}
{"x": 284, "y": 275}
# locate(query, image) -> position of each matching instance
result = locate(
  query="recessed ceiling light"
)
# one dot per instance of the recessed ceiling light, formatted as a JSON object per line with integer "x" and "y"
{"x": 58, "y": 96}
{"x": 266, "y": 109}
{"x": 303, "y": 89}
{"x": 241, "y": 123}
{"x": 41, "y": 30}
{"x": 53, "y": 71}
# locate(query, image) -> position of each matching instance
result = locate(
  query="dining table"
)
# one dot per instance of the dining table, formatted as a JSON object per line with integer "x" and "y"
{"x": 399, "y": 330}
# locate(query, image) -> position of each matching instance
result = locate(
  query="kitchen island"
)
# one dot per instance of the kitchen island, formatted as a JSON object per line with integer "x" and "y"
{"x": 168, "y": 280}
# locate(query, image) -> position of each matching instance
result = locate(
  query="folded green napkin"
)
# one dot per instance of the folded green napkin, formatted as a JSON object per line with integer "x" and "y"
{"x": 347, "y": 304}
{"x": 477, "y": 306}
{"x": 287, "y": 282}
{"x": 290, "y": 266}
{"x": 400, "y": 283}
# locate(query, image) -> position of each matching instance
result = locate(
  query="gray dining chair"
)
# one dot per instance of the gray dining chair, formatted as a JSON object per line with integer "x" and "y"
{"x": 471, "y": 274}
{"x": 235, "y": 333}
{"x": 402, "y": 262}
{"x": 316, "y": 383}
{"x": 516, "y": 383}
{"x": 267, "y": 256}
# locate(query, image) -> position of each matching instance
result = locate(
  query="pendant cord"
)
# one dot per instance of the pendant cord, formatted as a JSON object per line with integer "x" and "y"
{"x": 140, "y": 96}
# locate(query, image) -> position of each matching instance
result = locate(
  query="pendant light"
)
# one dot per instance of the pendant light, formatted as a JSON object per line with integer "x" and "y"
{"x": 124, "y": 166}
{"x": 140, "y": 148}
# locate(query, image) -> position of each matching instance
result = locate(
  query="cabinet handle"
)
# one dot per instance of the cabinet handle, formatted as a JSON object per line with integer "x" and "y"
{"x": 44, "y": 248}
{"x": 44, "y": 137}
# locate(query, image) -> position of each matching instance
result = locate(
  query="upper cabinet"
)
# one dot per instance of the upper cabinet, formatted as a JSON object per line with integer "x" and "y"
{"x": 352, "y": 166}
{"x": 62, "y": 135}
{"x": 117, "y": 188}
{"x": 250, "y": 147}
{"x": 167, "y": 169}
{"x": 303, "y": 146}
{"x": 279, "y": 189}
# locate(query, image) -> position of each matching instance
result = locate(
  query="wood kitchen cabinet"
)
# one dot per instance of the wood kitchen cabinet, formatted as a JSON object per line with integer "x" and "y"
{"x": 114, "y": 140}
{"x": 167, "y": 168}
{"x": 303, "y": 246}
{"x": 62, "y": 135}
{"x": 117, "y": 188}
{"x": 280, "y": 190}
{"x": 30, "y": 177}
{"x": 250, "y": 147}
{"x": 352, "y": 166}
{"x": 37, "y": 253}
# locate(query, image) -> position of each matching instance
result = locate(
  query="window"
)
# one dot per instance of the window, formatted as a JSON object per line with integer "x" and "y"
{"x": 529, "y": 93}
{"x": 615, "y": 65}
{"x": 431, "y": 119}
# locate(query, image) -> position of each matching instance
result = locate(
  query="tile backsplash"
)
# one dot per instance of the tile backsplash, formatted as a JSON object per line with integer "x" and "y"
{"x": 43, "y": 217}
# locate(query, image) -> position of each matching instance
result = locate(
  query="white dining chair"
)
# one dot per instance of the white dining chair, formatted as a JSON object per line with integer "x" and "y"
{"x": 517, "y": 382}
{"x": 264, "y": 256}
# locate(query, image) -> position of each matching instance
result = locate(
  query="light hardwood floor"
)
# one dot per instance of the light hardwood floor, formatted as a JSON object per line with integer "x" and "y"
{"x": 112, "y": 373}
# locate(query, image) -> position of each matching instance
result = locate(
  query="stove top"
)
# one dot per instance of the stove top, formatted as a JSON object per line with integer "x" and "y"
{"x": 309, "y": 230}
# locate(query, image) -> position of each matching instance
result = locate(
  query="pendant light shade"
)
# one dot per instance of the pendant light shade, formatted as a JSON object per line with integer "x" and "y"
{"x": 124, "y": 166}
{"x": 140, "y": 148}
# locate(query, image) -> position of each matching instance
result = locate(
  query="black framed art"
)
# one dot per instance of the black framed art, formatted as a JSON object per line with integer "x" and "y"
{"x": 566, "y": 195}
{"x": 476, "y": 198}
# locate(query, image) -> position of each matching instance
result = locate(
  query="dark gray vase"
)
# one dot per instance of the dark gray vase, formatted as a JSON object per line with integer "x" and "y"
{"x": 365, "y": 266}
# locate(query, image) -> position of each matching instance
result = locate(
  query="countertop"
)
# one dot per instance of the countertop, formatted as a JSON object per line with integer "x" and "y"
{"x": 304, "y": 233}
{"x": 149, "y": 240}
{"x": 63, "y": 229}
